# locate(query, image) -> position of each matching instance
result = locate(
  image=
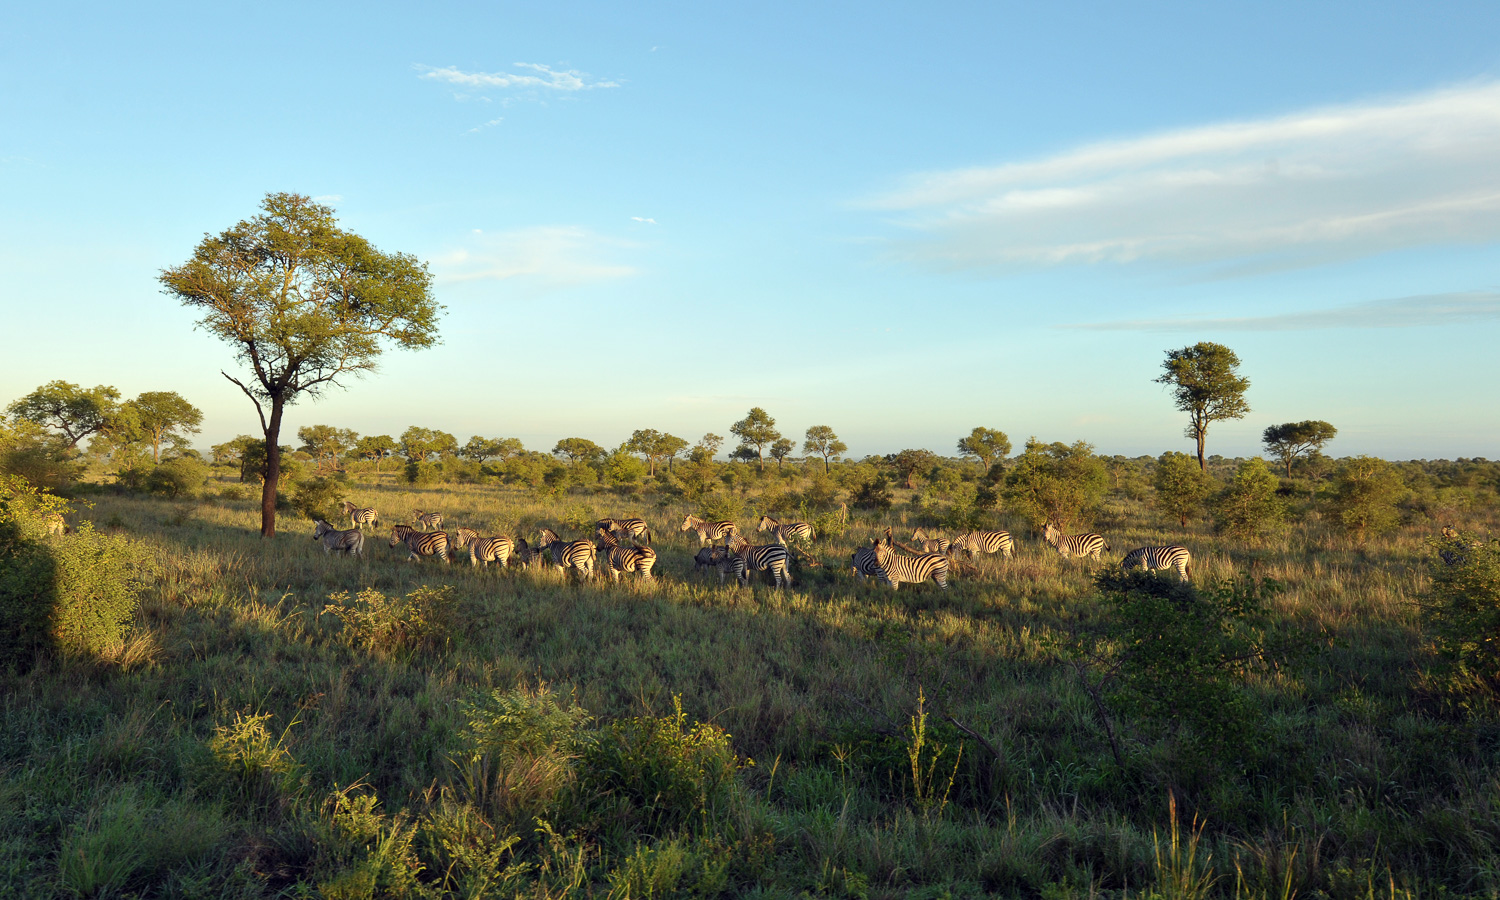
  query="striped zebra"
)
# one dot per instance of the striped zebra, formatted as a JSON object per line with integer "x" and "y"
{"x": 569, "y": 554}
{"x": 931, "y": 541}
{"x": 617, "y": 559}
{"x": 632, "y": 528}
{"x": 461, "y": 538}
{"x": 768, "y": 558}
{"x": 985, "y": 542}
{"x": 360, "y": 516}
{"x": 784, "y": 530}
{"x": 428, "y": 521}
{"x": 351, "y": 542}
{"x": 487, "y": 549}
{"x": 1071, "y": 545}
{"x": 721, "y": 560}
{"x": 528, "y": 555}
{"x": 1153, "y": 558}
{"x": 901, "y": 569}
{"x": 866, "y": 565}
{"x": 421, "y": 543}
{"x": 708, "y": 532}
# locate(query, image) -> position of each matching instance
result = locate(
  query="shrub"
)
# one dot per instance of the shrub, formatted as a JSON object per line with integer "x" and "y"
{"x": 75, "y": 594}
{"x": 182, "y": 476}
{"x": 1463, "y": 613}
{"x": 1248, "y": 506}
{"x": 1059, "y": 483}
{"x": 873, "y": 494}
{"x": 256, "y": 769}
{"x": 720, "y": 507}
{"x": 362, "y": 852}
{"x": 1182, "y": 486}
{"x": 318, "y": 498}
{"x": 394, "y": 627}
{"x": 422, "y": 472}
{"x": 1365, "y": 493}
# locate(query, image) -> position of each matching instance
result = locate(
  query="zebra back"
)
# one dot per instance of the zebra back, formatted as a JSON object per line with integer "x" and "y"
{"x": 771, "y": 558}
{"x": 985, "y": 542}
{"x": 487, "y": 549}
{"x": 911, "y": 569}
{"x": 421, "y": 543}
{"x": 1070, "y": 545}
{"x": 709, "y": 531}
{"x": 334, "y": 540}
{"x": 1174, "y": 556}
{"x": 428, "y": 521}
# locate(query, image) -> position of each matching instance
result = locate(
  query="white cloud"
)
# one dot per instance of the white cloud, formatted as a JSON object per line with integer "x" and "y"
{"x": 326, "y": 199}
{"x": 490, "y": 124}
{"x": 643, "y": 221}
{"x": 1324, "y": 184}
{"x": 1403, "y": 312}
{"x": 544, "y": 77}
{"x": 545, "y": 255}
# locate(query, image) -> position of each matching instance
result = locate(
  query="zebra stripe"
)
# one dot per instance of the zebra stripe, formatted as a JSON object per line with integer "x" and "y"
{"x": 769, "y": 558}
{"x": 931, "y": 541}
{"x": 346, "y": 542}
{"x": 910, "y": 569}
{"x": 1071, "y": 545}
{"x": 985, "y": 542}
{"x": 569, "y": 554}
{"x": 526, "y": 554}
{"x": 866, "y": 565}
{"x": 485, "y": 549}
{"x": 1153, "y": 558}
{"x": 709, "y": 531}
{"x": 428, "y": 521}
{"x": 619, "y": 559}
{"x": 421, "y": 543}
{"x": 784, "y": 530}
{"x": 360, "y": 516}
{"x": 632, "y": 528}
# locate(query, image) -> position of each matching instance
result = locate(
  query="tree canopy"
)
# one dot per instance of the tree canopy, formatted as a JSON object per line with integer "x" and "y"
{"x": 1288, "y": 441}
{"x": 1206, "y": 385}
{"x": 164, "y": 417}
{"x": 482, "y": 448}
{"x": 421, "y": 444}
{"x": 327, "y": 443}
{"x": 987, "y": 445}
{"x": 1058, "y": 483}
{"x": 756, "y": 430}
{"x": 73, "y": 411}
{"x": 822, "y": 441}
{"x": 654, "y": 446}
{"x": 908, "y": 463}
{"x": 305, "y": 305}
{"x": 578, "y": 449}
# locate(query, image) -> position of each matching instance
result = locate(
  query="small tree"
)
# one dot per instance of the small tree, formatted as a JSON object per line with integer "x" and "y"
{"x": 422, "y": 444}
{"x": 304, "y": 304}
{"x": 822, "y": 441}
{"x": 707, "y": 446}
{"x": 781, "y": 450}
{"x": 578, "y": 449}
{"x": 1463, "y": 612}
{"x": 986, "y": 445}
{"x": 655, "y": 446}
{"x": 756, "y": 430}
{"x": 1249, "y": 505}
{"x": 481, "y": 449}
{"x": 908, "y": 463}
{"x": 1207, "y": 386}
{"x": 1365, "y": 493}
{"x": 1293, "y": 439}
{"x": 71, "y": 410}
{"x": 164, "y": 417}
{"x": 376, "y": 448}
{"x": 1181, "y": 487}
{"x": 327, "y": 443}
{"x": 1059, "y": 483}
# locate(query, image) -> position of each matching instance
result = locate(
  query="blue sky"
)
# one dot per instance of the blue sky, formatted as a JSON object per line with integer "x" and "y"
{"x": 900, "y": 222}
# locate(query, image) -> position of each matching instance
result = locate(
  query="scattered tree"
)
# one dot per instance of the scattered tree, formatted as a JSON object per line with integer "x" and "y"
{"x": 1058, "y": 483}
{"x": 327, "y": 443}
{"x": 73, "y": 411}
{"x": 707, "y": 446}
{"x": 1365, "y": 493}
{"x": 481, "y": 449}
{"x": 1293, "y": 439}
{"x": 986, "y": 445}
{"x": 576, "y": 449}
{"x": 1206, "y": 385}
{"x": 781, "y": 450}
{"x": 822, "y": 441}
{"x": 1181, "y": 486}
{"x": 1248, "y": 505}
{"x": 164, "y": 417}
{"x": 756, "y": 430}
{"x": 305, "y": 304}
{"x": 908, "y": 463}
{"x": 655, "y": 446}
{"x": 376, "y": 448}
{"x": 422, "y": 444}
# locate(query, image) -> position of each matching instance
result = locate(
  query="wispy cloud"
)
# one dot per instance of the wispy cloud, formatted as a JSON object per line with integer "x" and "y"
{"x": 1402, "y": 312}
{"x": 545, "y": 255}
{"x": 326, "y": 199}
{"x": 1323, "y": 184}
{"x": 532, "y": 76}
{"x": 490, "y": 124}
{"x": 643, "y": 221}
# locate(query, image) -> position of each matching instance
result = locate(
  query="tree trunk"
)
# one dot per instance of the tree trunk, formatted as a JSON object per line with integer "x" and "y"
{"x": 272, "y": 473}
{"x": 825, "y": 465}
{"x": 1202, "y": 463}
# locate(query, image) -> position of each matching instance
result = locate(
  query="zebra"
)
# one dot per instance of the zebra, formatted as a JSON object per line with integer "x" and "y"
{"x": 708, "y": 532}
{"x": 932, "y": 542}
{"x": 632, "y": 527}
{"x": 486, "y": 549}
{"x": 866, "y": 565}
{"x": 461, "y": 538}
{"x": 360, "y": 516}
{"x": 1153, "y": 558}
{"x": 769, "y": 558}
{"x": 428, "y": 521}
{"x": 909, "y": 569}
{"x": 569, "y": 554}
{"x": 526, "y": 554}
{"x": 984, "y": 542}
{"x": 720, "y": 559}
{"x": 784, "y": 530}
{"x": 351, "y": 542}
{"x": 421, "y": 543}
{"x": 1071, "y": 545}
{"x": 619, "y": 559}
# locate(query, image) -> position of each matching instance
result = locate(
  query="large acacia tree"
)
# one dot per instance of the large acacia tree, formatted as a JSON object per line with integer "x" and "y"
{"x": 1206, "y": 384}
{"x": 305, "y": 304}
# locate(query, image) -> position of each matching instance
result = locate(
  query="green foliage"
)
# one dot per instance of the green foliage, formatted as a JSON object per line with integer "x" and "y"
{"x": 1365, "y": 493}
{"x": 1462, "y": 613}
{"x": 873, "y": 494}
{"x": 375, "y": 447}
{"x": 162, "y": 417}
{"x": 327, "y": 444}
{"x": 75, "y": 412}
{"x": 481, "y": 449}
{"x": 31, "y": 452}
{"x": 1206, "y": 385}
{"x": 319, "y": 498}
{"x": 362, "y": 853}
{"x": 257, "y": 769}
{"x": 422, "y": 472}
{"x": 1248, "y": 506}
{"x": 396, "y": 627}
{"x": 1181, "y": 486}
{"x": 908, "y": 463}
{"x": 720, "y": 507}
{"x": 756, "y": 430}
{"x": 620, "y": 468}
{"x": 1290, "y": 440}
{"x": 423, "y": 444}
{"x": 670, "y": 869}
{"x": 179, "y": 477}
{"x": 1059, "y": 483}
{"x": 987, "y": 445}
{"x": 654, "y": 446}
{"x": 820, "y": 439}
{"x": 130, "y": 838}
{"x": 578, "y": 449}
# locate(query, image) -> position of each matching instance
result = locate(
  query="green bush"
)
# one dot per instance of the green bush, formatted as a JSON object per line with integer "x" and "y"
{"x": 180, "y": 477}
{"x": 1365, "y": 493}
{"x": 422, "y": 472}
{"x": 1463, "y": 613}
{"x": 720, "y": 507}
{"x": 318, "y": 498}
{"x": 423, "y": 620}
{"x": 1182, "y": 487}
{"x": 1248, "y": 506}
{"x": 76, "y": 593}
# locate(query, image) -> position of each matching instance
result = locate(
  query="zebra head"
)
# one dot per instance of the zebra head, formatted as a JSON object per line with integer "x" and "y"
{"x": 321, "y": 528}
{"x": 690, "y": 522}
{"x": 766, "y": 522}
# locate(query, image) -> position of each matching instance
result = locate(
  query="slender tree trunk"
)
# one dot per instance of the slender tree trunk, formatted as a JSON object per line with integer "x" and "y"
{"x": 825, "y": 465}
{"x": 1202, "y": 463}
{"x": 273, "y": 471}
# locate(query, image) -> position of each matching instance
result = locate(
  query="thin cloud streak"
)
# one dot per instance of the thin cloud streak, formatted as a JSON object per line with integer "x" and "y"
{"x": 545, "y": 255}
{"x": 545, "y": 77}
{"x": 1302, "y": 189}
{"x": 1403, "y": 312}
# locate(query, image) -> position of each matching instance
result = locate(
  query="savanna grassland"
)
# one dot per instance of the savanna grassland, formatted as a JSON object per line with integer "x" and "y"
{"x": 279, "y": 722}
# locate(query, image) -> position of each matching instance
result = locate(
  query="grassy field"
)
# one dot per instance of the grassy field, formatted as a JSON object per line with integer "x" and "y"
{"x": 519, "y": 734}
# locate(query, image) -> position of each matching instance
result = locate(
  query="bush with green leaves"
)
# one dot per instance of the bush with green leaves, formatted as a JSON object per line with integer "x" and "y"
{"x": 423, "y": 620}
{"x": 1059, "y": 483}
{"x": 1182, "y": 487}
{"x": 318, "y": 498}
{"x": 1462, "y": 613}
{"x": 75, "y": 594}
{"x": 720, "y": 507}
{"x": 181, "y": 476}
{"x": 1248, "y": 506}
{"x": 1366, "y": 491}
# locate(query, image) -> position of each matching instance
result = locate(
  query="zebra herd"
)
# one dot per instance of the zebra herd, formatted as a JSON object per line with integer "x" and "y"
{"x": 722, "y": 548}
